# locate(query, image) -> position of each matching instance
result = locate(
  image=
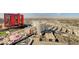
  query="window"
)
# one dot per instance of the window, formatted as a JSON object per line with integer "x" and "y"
{"x": 20, "y": 19}
{"x": 7, "y": 20}
{"x": 50, "y": 40}
{"x": 16, "y": 20}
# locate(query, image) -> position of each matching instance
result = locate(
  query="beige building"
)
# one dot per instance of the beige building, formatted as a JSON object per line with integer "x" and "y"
{"x": 2, "y": 26}
{"x": 49, "y": 37}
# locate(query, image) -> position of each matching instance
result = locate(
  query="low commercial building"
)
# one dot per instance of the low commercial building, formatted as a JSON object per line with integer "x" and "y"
{"x": 49, "y": 37}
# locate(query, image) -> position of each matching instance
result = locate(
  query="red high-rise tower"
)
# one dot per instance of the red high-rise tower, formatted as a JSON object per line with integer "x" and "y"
{"x": 13, "y": 20}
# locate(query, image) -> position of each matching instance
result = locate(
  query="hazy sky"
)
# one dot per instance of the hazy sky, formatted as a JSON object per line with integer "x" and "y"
{"x": 27, "y": 15}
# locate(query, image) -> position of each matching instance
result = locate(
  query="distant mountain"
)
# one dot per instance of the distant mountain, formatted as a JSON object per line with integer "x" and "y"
{"x": 53, "y": 18}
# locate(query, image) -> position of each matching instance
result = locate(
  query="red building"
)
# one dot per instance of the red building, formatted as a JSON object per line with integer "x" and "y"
{"x": 13, "y": 20}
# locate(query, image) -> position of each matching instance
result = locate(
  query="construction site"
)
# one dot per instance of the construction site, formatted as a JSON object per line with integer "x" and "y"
{"x": 16, "y": 30}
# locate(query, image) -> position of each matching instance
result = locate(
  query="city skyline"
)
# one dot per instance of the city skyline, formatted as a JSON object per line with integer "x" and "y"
{"x": 29, "y": 15}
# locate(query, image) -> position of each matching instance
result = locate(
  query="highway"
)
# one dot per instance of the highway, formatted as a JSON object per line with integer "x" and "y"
{"x": 21, "y": 39}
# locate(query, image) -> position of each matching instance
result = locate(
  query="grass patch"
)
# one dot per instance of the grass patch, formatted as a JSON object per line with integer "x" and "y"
{"x": 3, "y": 33}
